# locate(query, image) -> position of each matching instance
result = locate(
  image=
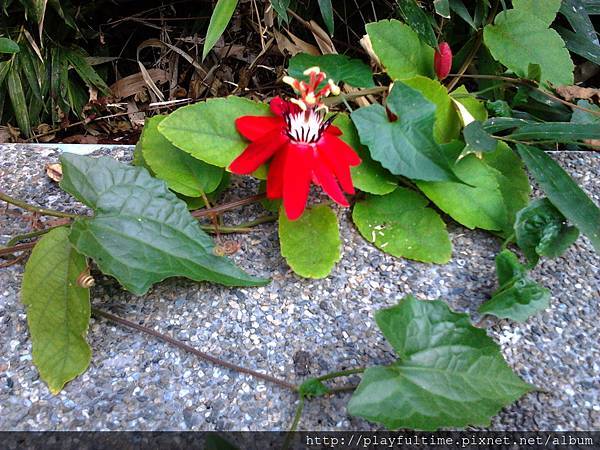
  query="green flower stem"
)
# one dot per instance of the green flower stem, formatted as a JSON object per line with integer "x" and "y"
{"x": 212, "y": 359}
{"x": 341, "y": 373}
{"x": 295, "y": 423}
{"x": 43, "y": 211}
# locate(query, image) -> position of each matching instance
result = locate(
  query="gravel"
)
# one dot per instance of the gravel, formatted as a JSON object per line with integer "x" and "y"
{"x": 292, "y": 328}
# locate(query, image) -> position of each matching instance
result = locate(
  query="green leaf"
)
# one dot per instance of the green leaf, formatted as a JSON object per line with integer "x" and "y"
{"x": 478, "y": 139}
{"x": 580, "y": 116}
{"x": 447, "y": 122}
{"x": 563, "y": 192}
{"x": 519, "y": 38}
{"x": 498, "y": 188}
{"x": 459, "y": 8}
{"x": 400, "y": 50}
{"x": 405, "y": 146}
{"x": 583, "y": 40}
{"x": 141, "y": 233}
{"x": 86, "y": 71}
{"x": 311, "y": 244}
{"x": 401, "y": 224}
{"x": 183, "y": 173}
{"x": 580, "y": 44}
{"x": 58, "y": 310}
{"x": 543, "y": 10}
{"x": 369, "y": 176}
{"x": 312, "y": 388}
{"x": 280, "y": 7}
{"x": 35, "y": 9}
{"x": 219, "y": 20}
{"x": 475, "y": 107}
{"x": 556, "y": 132}
{"x": 420, "y": 22}
{"x": 327, "y": 13}
{"x": 449, "y": 373}
{"x": 518, "y": 297}
{"x": 541, "y": 230}
{"x": 207, "y": 130}
{"x": 8, "y": 46}
{"x": 337, "y": 67}
{"x": 18, "y": 101}
{"x": 442, "y": 7}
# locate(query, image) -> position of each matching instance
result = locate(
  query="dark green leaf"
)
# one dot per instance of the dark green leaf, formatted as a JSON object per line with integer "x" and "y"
{"x": 499, "y": 108}
{"x": 576, "y": 14}
{"x": 449, "y": 373}
{"x": 182, "y": 172}
{"x": 498, "y": 124}
{"x": 311, "y": 244}
{"x": 141, "y": 232}
{"x": 312, "y": 388}
{"x": 280, "y": 7}
{"x": 369, "y": 176}
{"x": 518, "y": 297}
{"x": 337, "y": 67}
{"x": 85, "y": 70}
{"x": 401, "y": 224}
{"x": 557, "y": 132}
{"x": 58, "y": 310}
{"x": 442, "y": 7}
{"x": 580, "y": 116}
{"x": 580, "y": 45}
{"x": 459, "y": 8}
{"x": 19, "y": 103}
{"x": 327, "y": 13}
{"x": 541, "y": 230}
{"x": 400, "y": 50}
{"x": 478, "y": 139}
{"x": 405, "y": 146}
{"x": 420, "y": 22}
{"x": 8, "y": 46}
{"x": 219, "y": 20}
{"x": 563, "y": 192}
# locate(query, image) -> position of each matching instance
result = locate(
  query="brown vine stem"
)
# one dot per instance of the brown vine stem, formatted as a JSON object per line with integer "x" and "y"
{"x": 229, "y": 206}
{"x": 17, "y": 248}
{"x": 43, "y": 211}
{"x": 192, "y": 350}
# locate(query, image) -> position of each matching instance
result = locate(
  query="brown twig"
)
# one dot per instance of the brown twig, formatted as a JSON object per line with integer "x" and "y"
{"x": 42, "y": 211}
{"x": 192, "y": 350}
{"x": 228, "y": 206}
{"x": 17, "y": 248}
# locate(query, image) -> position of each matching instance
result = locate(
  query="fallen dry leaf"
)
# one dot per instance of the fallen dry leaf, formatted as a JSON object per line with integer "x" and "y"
{"x": 80, "y": 139}
{"x": 54, "y": 172}
{"x": 577, "y": 92}
{"x": 134, "y": 84}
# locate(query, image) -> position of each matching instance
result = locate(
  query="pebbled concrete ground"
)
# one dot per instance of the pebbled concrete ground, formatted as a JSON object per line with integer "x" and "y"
{"x": 292, "y": 328}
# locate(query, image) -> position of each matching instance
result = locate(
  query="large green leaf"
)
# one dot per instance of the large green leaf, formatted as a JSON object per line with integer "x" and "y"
{"x": 520, "y": 37}
{"x": 207, "y": 130}
{"x": 563, "y": 192}
{"x": 311, "y": 244}
{"x": 58, "y": 310}
{"x": 337, "y": 67}
{"x": 141, "y": 233}
{"x": 545, "y": 12}
{"x": 405, "y": 146}
{"x": 8, "y": 46}
{"x": 556, "y": 132}
{"x": 369, "y": 176}
{"x": 18, "y": 100}
{"x": 498, "y": 188}
{"x": 327, "y": 13}
{"x": 182, "y": 172}
{"x": 519, "y": 297}
{"x": 400, "y": 50}
{"x": 401, "y": 224}
{"x": 85, "y": 70}
{"x": 447, "y": 122}
{"x": 449, "y": 373}
{"x": 219, "y": 20}
{"x": 583, "y": 40}
{"x": 541, "y": 230}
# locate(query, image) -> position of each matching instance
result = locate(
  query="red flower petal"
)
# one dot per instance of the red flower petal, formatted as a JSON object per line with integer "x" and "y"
{"x": 297, "y": 175}
{"x": 442, "y": 60}
{"x": 341, "y": 150}
{"x": 328, "y": 182}
{"x": 258, "y": 152}
{"x": 255, "y": 127}
{"x": 279, "y": 106}
{"x": 333, "y": 130}
{"x": 275, "y": 176}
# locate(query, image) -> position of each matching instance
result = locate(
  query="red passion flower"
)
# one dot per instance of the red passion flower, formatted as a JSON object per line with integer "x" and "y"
{"x": 442, "y": 60}
{"x": 301, "y": 145}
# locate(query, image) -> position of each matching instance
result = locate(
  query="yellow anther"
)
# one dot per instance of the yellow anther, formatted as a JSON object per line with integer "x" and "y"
{"x": 300, "y": 103}
{"x": 334, "y": 88}
{"x": 316, "y": 70}
{"x": 289, "y": 80}
{"x": 310, "y": 99}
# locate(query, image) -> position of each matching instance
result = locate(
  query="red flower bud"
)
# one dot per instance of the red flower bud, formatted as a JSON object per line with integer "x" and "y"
{"x": 442, "y": 60}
